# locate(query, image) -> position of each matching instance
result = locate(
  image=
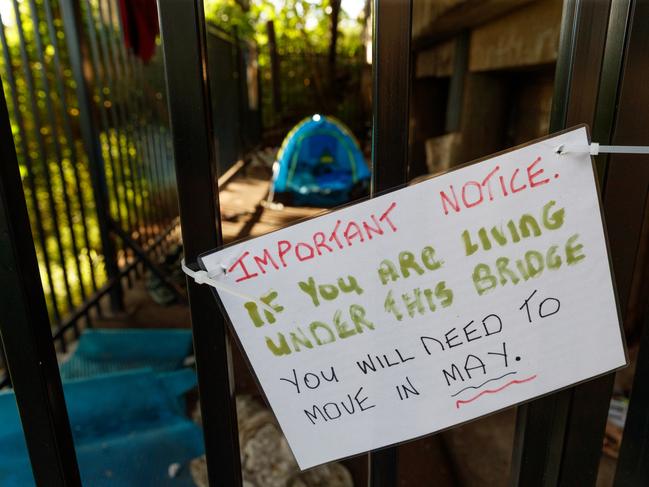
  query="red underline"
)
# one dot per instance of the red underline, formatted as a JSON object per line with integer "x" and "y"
{"x": 493, "y": 391}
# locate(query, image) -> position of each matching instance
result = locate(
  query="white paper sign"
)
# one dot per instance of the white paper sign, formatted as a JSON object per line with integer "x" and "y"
{"x": 429, "y": 306}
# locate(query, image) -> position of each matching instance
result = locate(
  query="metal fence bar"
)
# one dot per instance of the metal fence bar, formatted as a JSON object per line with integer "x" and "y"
{"x": 156, "y": 171}
{"x": 154, "y": 185}
{"x": 168, "y": 174}
{"x": 612, "y": 68}
{"x": 74, "y": 155}
{"x": 116, "y": 136}
{"x": 169, "y": 210}
{"x": 26, "y": 335}
{"x": 120, "y": 105}
{"x": 390, "y": 100}
{"x": 145, "y": 141}
{"x": 184, "y": 47}
{"x": 110, "y": 79}
{"x": 99, "y": 82}
{"x": 152, "y": 196}
{"x": 391, "y": 85}
{"x": 558, "y": 438}
{"x": 71, "y": 16}
{"x": 633, "y": 462}
{"x": 129, "y": 118}
{"x": 58, "y": 154}
{"x": 163, "y": 166}
{"x": 30, "y": 177}
{"x": 43, "y": 153}
{"x": 139, "y": 127}
{"x": 590, "y": 401}
{"x": 239, "y": 73}
{"x": 540, "y": 425}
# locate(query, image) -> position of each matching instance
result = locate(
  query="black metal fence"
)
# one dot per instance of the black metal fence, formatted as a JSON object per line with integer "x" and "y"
{"x": 236, "y": 101}
{"x": 92, "y": 136}
{"x": 89, "y": 118}
{"x": 600, "y": 79}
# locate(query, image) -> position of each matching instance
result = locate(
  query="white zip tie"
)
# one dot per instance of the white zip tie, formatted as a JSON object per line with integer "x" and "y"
{"x": 205, "y": 277}
{"x": 595, "y": 149}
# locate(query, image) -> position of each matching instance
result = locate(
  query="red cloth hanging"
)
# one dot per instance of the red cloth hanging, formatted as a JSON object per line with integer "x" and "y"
{"x": 140, "y": 19}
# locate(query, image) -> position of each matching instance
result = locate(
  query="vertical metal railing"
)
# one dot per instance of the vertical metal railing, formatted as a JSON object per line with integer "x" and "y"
{"x": 31, "y": 190}
{"x": 26, "y": 334}
{"x": 390, "y": 104}
{"x": 185, "y": 54}
{"x": 237, "y": 126}
{"x": 40, "y": 161}
{"x": 91, "y": 130}
{"x": 599, "y": 80}
{"x": 113, "y": 150}
{"x": 547, "y": 426}
{"x": 627, "y": 183}
{"x": 90, "y": 141}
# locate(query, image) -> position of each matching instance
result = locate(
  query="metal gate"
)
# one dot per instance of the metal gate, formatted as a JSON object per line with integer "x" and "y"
{"x": 600, "y": 80}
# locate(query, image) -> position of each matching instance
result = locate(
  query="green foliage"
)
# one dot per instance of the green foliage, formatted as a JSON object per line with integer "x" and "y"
{"x": 301, "y": 26}
{"x": 308, "y": 82}
{"x": 229, "y": 15}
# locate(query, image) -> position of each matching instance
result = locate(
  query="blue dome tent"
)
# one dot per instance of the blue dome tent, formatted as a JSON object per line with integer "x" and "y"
{"x": 319, "y": 164}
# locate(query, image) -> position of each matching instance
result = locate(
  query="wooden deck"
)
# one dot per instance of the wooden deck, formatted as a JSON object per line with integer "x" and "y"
{"x": 244, "y": 213}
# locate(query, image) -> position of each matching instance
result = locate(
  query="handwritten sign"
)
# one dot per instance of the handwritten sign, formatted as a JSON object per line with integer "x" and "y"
{"x": 429, "y": 306}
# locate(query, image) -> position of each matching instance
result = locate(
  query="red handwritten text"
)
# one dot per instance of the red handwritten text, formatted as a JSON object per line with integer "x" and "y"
{"x": 494, "y": 184}
{"x": 286, "y": 252}
{"x": 493, "y": 391}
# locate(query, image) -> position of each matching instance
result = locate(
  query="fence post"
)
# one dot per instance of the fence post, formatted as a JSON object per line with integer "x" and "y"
{"x": 558, "y": 439}
{"x": 185, "y": 57}
{"x": 633, "y": 172}
{"x": 274, "y": 70}
{"x": 71, "y": 15}
{"x": 240, "y": 71}
{"x": 390, "y": 93}
{"x": 26, "y": 333}
{"x": 390, "y": 104}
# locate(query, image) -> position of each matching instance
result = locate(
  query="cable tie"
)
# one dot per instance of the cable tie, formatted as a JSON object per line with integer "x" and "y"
{"x": 595, "y": 149}
{"x": 209, "y": 278}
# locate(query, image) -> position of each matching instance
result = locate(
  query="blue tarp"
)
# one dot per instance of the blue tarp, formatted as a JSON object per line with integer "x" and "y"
{"x": 128, "y": 428}
{"x": 320, "y": 164}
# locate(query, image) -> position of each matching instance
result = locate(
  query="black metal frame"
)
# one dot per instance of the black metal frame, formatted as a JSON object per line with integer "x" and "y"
{"x": 558, "y": 438}
{"x": 125, "y": 244}
{"x": 628, "y": 197}
{"x": 25, "y": 330}
{"x": 392, "y": 20}
{"x": 71, "y": 14}
{"x": 184, "y": 46}
{"x": 128, "y": 237}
